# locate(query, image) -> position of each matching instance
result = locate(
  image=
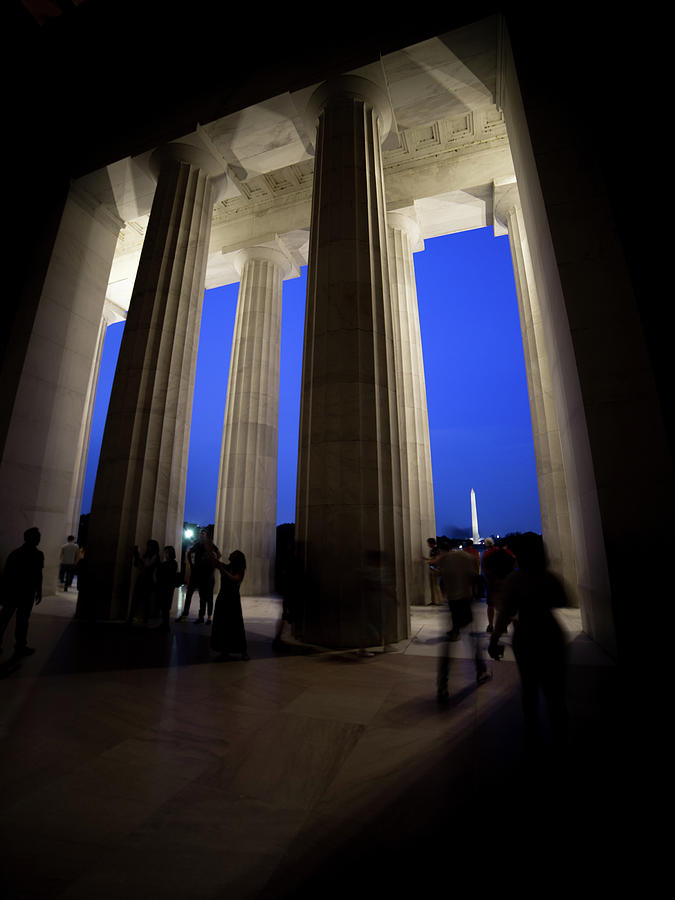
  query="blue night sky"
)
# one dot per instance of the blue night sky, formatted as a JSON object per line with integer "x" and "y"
{"x": 479, "y": 417}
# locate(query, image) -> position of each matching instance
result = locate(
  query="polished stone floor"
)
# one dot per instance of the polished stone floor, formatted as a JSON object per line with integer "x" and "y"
{"x": 132, "y": 765}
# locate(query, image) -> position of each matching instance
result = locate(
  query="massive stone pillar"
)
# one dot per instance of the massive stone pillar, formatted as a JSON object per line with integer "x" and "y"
{"x": 44, "y": 433}
{"x": 349, "y": 537}
{"x": 140, "y": 485}
{"x": 111, "y": 314}
{"x": 553, "y": 502}
{"x": 417, "y": 493}
{"x": 247, "y": 485}
{"x": 582, "y": 348}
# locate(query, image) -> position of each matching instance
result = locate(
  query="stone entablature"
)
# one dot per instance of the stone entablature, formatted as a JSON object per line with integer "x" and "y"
{"x": 458, "y": 154}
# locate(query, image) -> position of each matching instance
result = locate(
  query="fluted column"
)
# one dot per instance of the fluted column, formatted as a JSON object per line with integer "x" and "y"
{"x": 247, "y": 485}
{"x": 111, "y": 314}
{"x": 348, "y": 518}
{"x": 56, "y": 352}
{"x": 140, "y": 484}
{"x": 417, "y": 493}
{"x": 555, "y": 516}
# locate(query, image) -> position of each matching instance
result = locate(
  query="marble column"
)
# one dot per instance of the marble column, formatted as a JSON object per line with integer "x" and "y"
{"x": 111, "y": 313}
{"x": 44, "y": 435}
{"x": 555, "y": 515}
{"x": 349, "y": 535}
{"x": 247, "y": 485}
{"x": 140, "y": 484}
{"x": 417, "y": 493}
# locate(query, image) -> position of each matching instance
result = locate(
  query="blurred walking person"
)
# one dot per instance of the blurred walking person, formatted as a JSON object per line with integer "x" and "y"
{"x": 497, "y": 564}
{"x": 529, "y": 596}
{"x": 458, "y": 574}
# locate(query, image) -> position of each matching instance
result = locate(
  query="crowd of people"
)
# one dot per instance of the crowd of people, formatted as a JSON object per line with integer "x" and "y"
{"x": 519, "y": 590}
{"x": 157, "y": 575}
{"x": 520, "y": 594}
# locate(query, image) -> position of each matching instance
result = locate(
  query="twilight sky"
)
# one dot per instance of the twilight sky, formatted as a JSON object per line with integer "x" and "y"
{"x": 479, "y": 417}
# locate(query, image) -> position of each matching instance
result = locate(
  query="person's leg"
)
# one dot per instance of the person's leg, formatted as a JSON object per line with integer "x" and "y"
{"x": 202, "y": 590}
{"x": 68, "y": 575}
{"x": 479, "y": 653}
{"x": 133, "y": 605}
{"x": 147, "y": 604}
{"x": 165, "y": 604}
{"x": 209, "y": 599}
{"x": 6, "y": 612}
{"x": 443, "y": 671}
{"x": 188, "y": 600}
{"x": 23, "y": 611}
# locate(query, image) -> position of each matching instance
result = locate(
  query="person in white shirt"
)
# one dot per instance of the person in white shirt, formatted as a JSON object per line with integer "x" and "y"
{"x": 67, "y": 560}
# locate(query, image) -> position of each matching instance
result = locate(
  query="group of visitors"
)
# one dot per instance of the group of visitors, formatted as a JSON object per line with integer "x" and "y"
{"x": 158, "y": 576}
{"x": 521, "y": 592}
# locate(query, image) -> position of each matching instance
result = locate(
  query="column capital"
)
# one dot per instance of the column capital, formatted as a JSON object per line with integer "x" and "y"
{"x": 351, "y": 86}
{"x": 269, "y": 254}
{"x": 506, "y": 199}
{"x": 193, "y": 151}
{"x": 113, "y": 313}
{"x": 406, "y": 222}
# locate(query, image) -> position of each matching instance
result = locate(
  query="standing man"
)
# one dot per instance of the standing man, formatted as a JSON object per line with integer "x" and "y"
{"x": 434, "y": 585}
{"x": 68, "y": 559}
{"x": 201, "y": 578}
{"x": 22, "y": 586}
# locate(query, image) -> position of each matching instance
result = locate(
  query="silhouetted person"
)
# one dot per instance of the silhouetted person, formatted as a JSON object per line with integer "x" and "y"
{"x": 81, "y": 568}
{"x": 434, "y": 585}
{"x": 200, "y": 559}
{"x": 68, "y": 559}
{"x": 21, "y": 588}
{"x": 228, "y": 634}
{"x": 529, "y": 595}
{"x": 167, "y": 572}
{"x": 458, "y": 572}
{"x": 292, "y": 593}
{"x": 146, "y": 581}
{"x": 497, "y": 564}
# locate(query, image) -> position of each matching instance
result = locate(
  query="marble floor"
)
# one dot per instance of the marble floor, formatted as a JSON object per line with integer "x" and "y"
{"x": 131, "y": 766}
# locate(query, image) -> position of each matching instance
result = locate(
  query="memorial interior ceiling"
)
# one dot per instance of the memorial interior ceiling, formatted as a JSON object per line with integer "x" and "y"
{"x": 446, "y": 157}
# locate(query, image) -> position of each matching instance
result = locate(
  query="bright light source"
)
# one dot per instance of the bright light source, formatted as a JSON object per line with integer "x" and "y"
{"x": 188, "y": 533}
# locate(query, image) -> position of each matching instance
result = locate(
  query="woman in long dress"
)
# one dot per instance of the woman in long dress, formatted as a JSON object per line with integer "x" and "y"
{"x": 143, "y": 594}
{"x": 227, "y": 632}
{"x": 166, "y": 584}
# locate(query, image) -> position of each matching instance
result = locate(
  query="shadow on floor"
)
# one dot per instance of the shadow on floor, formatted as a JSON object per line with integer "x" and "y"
{"x": 107, "y": 646}
{"x": 481, "y": 815}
